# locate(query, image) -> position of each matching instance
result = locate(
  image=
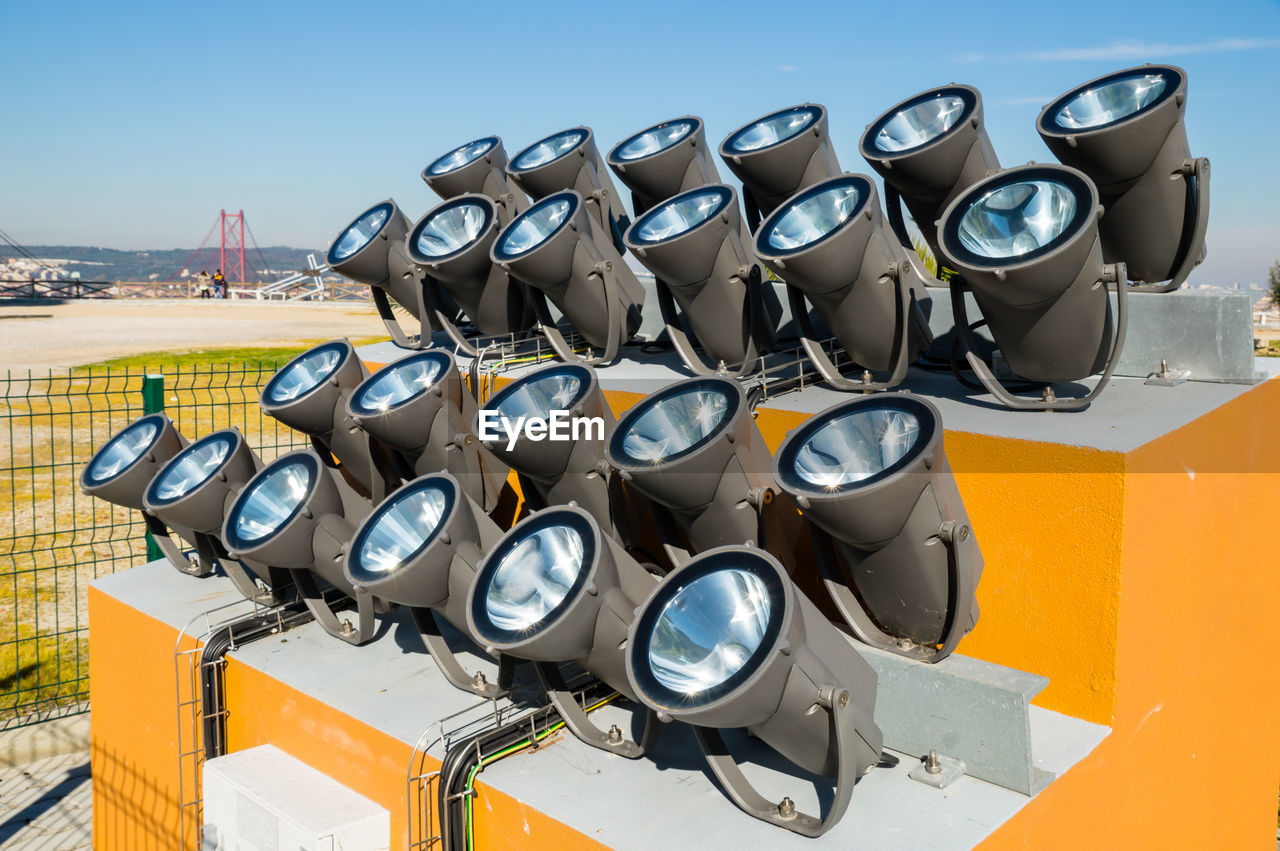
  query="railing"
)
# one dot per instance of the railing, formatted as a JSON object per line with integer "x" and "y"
{"x": 15, "y": 290}
{"x": 54, "y": 539}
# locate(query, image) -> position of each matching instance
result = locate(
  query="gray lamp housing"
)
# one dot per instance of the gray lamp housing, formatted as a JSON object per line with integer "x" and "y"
{"x": 663, "y": 161}
{"x": 871, "y": 473}
{"x": 570, "y": 160}
{"x": 801, "y": 689}
{"x": 451, "y": 245}
{"x": 312, "y": 513}
{"x": 588, "y": 623}
{"x": 1127, "y": 131}
{"x": 420, "y": 408}
{"x": 708, "y": 280}
{"x": 1026, "y": 241}
{"x": 477, "y": 168}
{"x": 559, "y": 250}
{"x": 371, "y": 251}
{"x": 830, "y": 245}
{"x": 928, "y": 149}
{"x": 310, "y": 393}
{"x": 779, "y": 154}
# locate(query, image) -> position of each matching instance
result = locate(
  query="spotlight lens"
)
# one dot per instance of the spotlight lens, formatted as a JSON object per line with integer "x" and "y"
{"x": 772, "y": 129}
{"x": 538, "y": 397}
{"x": 1110, "y": 102}
{"x": 549, "y": 149}
{"x": 397, "y": 384}
{"x": 191, "y": 469}
{"x": 653, "y": 140}
{"x": 122, "y": 450}
{"x": 452, "y": 229}
{"x": 459, "y": 157}
{"x": 271, "y": 501}
{"x": 709, "y": 630}
{"x": 680, "y": 215}
{"x": 359, "y": 234}
{"x": 856, "y": 446}
{"x": 534, "y": 578}
{"x": 304, "y": 374}
{"x": 401, "y": 530}
{"x": 916, "y": 125}
{"x": 811, "y": 219}
{"x": 1017, "y": 218}
{"x": 675, "y": 425}
{"x": 531, "y": 229}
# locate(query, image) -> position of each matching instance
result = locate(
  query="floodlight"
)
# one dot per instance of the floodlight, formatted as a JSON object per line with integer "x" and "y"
{"x": 297, "y": 515}
{"x": 562, "y": 254}
{"x": 570, "y": 160}
{"x": 693, "y": 245}
{"x": 1026, "y": 242}
{"x": 555, "y": 589}
{"x": 1126, "y": 131}
{"x": 727, "y": 640}
{"x": 929, "y": 148}
{"x": 309, "y": 394}
{"x": 451, "y": 244}
{"x": 694, "y": 449}
{"x": 419, "y": 407}
{"x": 830, "y": 245}
{"x": 421, "y": 548}
{"x": 663, "y": 161}
{"x": 899, "y": 556}
{"x": 195, "y": 489}
{"x": 480, "y": 168}
{"x": 371, "y": 250}
{"x": 778, "y": 155}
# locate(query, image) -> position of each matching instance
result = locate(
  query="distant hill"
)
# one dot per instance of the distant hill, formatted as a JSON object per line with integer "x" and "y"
{"x": 110, "y": 264}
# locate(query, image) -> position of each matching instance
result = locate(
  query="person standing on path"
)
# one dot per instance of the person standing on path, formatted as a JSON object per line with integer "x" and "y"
{"x": 202, "y": 284}
{"x": 219, "y": 284}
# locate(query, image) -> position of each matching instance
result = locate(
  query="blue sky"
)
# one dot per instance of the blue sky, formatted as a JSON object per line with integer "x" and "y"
{"x": 130, "y": 126}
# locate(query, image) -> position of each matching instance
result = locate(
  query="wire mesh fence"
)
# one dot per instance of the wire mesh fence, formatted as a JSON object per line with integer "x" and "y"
{"x": 54, "y": 540}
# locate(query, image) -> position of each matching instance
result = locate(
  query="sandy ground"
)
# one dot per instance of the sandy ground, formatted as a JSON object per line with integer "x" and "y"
{"x": 40, "y": 336}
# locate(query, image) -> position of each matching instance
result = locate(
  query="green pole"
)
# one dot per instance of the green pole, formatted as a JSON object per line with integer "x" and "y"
{"x": 152, "y": 403}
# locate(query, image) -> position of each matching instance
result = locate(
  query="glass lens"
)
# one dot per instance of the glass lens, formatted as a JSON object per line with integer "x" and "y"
{"x": 533, "y": 227}
{"x": 1110, "y": 101}
{"x": 192, "y": 469}
{"x": 122, "y": 450}
{"x": 398, "y": 383}
{"x": 656, "y": 139}
{"x": 304, "y": 374}
{"x": 399, "y": 531}
{"x": 814, "y": 217}
{"x": 451, "y": 230}
{"x": 1017, "y": 218}
{"x": 916, "y": 125}
{"x": 772, "y": 130}
{"x": 537, "y": 398}
{"x": 679, "y": 215}
{"x": 271, "y": 501}
{"x": 709, "y": 630}
{"x": 358, "y": 235}
{"x": 674, "y": 425}
{"x": 534, "y": 578}
{"x": 549, "y": 149}
{"x": 856, "y": 446}
{"x": 459, "y": 157}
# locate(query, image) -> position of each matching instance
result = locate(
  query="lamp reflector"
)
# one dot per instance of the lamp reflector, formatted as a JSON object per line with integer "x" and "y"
{"x": 461, "y": 156}
{"x": 1110, "y": 102}
{"x": 122, "y": 451}
{"x": 399, "y": 531}
{"x": 359, "y": 233}
{"x": 856, "y": 447}
{"x": 679, "y": 215}
{"x": 919, "y": 124}
{"x": 549, "y": 149}
{"x": 534, "y": 577}
{"x": 653, "y": 140}
{"x": 190, "y": 469}
{"x": 397, "y": 384}
{"x": 452, "y": 229}
{"x": 269, "y": 502}
{"x": 812, "y": 218}
{"x": 1017, "y": 218}
{"x": 534, "y": 227}
{"x": 675, "y": 425}
{"x": 304, "y": 374}
{"x": 772, "y": 129}
{"x": 536, "y": 399}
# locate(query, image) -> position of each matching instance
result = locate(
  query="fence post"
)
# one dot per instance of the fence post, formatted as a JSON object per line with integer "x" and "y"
{"x": 152, "y": 403}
